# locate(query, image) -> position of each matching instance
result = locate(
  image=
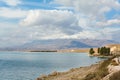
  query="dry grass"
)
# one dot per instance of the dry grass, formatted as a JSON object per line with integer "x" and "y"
{"x": 93, "y": 72}
{"x": 73, "y": 74}
{"x": 115, "y": 76}
{"x": 101, "y": 72}
{"x": 113, "y": 62}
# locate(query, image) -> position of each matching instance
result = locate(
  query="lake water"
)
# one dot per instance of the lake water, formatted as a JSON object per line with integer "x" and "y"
{"x": 29, "y": 66}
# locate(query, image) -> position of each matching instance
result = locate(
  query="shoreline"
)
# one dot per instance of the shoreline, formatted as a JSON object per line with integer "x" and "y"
{"x": 98, "y": 71}
{"x": 71, "y": 74}
{"x": 77, "y": 50}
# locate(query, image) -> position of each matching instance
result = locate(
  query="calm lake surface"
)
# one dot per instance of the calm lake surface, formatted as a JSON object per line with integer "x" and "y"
{"x": 29, "y": 66}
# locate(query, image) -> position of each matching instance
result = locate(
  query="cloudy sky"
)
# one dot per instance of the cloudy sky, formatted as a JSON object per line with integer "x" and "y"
{"x": 22, "y": 21}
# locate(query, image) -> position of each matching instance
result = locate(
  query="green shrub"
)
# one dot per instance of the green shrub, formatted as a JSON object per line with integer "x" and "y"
{"x": 91, "y": 51}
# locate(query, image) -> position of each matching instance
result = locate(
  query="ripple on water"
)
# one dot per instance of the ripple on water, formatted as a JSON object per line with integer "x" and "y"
{"x": 24, "y": 66}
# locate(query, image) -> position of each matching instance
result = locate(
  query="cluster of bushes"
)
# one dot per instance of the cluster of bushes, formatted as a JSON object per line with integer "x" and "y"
{"x": 91, "y": 51}
{"x": 102, "y": 51}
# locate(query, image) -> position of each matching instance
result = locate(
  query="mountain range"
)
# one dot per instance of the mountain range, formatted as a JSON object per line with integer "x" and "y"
{"x": 57, "y": 44}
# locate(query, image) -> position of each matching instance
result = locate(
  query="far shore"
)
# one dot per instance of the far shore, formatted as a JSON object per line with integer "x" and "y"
{"x": 72, "y": 50}
{"x": 44, "y": 51}
{"x": 78, "y": 50}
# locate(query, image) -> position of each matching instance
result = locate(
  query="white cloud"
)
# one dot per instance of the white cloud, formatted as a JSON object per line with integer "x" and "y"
{"x": 64, "y": 8}
{"x": 86, "y": 21}
{"x": 93, "y": 8}
{"x": 65, "y": 21}
{"x": 53, "y": 24}
{"x": 116, "y": 36}
{"x": 12, "y": 2}
{"x": 12, "y": 13}
{"x": 109, "y": 23}
{"x": 11, "y": 33}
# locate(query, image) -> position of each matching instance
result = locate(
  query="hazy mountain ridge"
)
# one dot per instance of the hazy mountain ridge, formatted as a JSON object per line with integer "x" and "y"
{"x": 55, "y": 44}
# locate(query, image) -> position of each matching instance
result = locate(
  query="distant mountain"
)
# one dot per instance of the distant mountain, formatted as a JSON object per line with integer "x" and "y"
{"x": 55, "y": 44}
{"x": 77, "y": 44}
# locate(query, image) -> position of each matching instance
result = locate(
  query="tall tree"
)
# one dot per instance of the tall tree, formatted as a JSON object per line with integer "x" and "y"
{"x": 98, "y": 50}
{"x": 104, "y": 51}
{"x": 91, "y": 51}
{"x": 108, "y": 51}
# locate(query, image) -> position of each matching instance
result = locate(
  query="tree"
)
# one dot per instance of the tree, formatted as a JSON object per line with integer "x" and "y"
{"x": 107, "y": 51}
{"x": 91, "y": 51}
{"x": 98, "y": 50}
{"x": 104, "y": 51}
{"x": 101, "y": 51}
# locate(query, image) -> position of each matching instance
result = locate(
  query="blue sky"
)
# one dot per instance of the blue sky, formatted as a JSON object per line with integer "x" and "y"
{"x": 22, "y": 21}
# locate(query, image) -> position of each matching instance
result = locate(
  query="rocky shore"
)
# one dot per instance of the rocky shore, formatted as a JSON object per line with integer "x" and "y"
{"x": 72, "y": 74}
{"x": 100, "y": 71}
